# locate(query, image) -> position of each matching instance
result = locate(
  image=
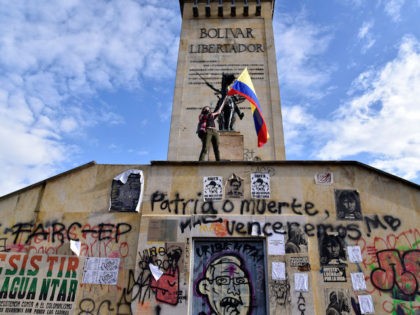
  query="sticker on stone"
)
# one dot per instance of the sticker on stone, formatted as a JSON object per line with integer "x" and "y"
{"x": 326, "y": 178}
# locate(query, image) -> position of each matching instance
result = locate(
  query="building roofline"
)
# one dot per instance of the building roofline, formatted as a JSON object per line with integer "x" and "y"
{"x": 43, "y": 182}
{"x": 296, "y": 162}
{"x": 197, "y": 163}
{"x": 181, "y": 5}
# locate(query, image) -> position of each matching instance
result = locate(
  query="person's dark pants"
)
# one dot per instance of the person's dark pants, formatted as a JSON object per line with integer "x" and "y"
{"x": 211, "y": 136}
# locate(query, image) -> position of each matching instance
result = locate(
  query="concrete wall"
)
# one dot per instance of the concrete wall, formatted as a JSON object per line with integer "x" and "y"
{"x": 181, "y": 252}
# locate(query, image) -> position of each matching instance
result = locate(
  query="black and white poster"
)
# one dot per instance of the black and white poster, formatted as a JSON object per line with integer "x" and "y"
{"x": 127, "y": 191}
{"x": 347, "y": 203}
{"x": 260, "y": 185}
{"x": 235, "y": 187}
{"x": 213, "y": 188}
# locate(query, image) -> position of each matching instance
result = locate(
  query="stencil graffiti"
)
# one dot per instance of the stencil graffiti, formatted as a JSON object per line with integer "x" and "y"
{"x": 280, "y": 292}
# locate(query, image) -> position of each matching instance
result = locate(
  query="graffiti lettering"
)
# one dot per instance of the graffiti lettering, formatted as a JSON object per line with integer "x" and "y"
{"x": 301, "y": 304}
{"x": 352, "y": 230}
{"x": 58, "y": 231}
{"x": 198, "y": 220}
{"x": 182, "y": 206}
{"x": 166, "y": 288}
{"x": 249, "y": 154}
{"x": 375, "y": 222}
{"x": 396, "y": 274}
{"x": 3, "y": 247}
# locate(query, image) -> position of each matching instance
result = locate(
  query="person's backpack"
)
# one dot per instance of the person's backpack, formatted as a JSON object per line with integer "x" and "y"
{"x": 201, "y": 126}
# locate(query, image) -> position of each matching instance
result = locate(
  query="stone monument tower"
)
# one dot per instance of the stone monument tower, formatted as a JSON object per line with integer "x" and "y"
{"x": 219, "y": 38}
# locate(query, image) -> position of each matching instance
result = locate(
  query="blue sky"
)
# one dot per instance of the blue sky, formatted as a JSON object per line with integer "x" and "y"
{"x": 94, "y": 80}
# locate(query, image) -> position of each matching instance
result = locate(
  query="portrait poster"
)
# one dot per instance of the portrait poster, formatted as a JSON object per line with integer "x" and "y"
{"x": 347, "y": 204}
{"x": 297, "y": 240}
{"x": 331, "y": 249}
{"x": 260, "y": 185}
{"x": 337, "y": 301}
{"x": 229, "y": 277}
{"x": 213, "y": 188}
{"x": 235, "y": 187}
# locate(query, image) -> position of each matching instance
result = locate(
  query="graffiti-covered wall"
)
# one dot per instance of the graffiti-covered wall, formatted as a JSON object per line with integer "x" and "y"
{"x": 203, "y": 238}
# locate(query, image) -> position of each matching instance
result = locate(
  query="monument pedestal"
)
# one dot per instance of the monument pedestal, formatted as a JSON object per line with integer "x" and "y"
{"x": 231, "y": 146}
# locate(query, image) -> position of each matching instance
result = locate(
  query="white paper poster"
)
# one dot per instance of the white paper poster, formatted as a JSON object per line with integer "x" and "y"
{"x": 260, "y": 185}
{"x": 256, "y": 228}
{"x": 278, "y": 270}
{"x": 101, "y": 270}
{"x": 301, "y": 282}
{"x": 366, "y": 304}
{"x": 355, "y": 254}
{"x": 75, "y": 247}
{"x": 213, "y": 188}
{"x": 276, "y": 244}
{"x": 358, "y": 281}
{"x": 156, "y": 272}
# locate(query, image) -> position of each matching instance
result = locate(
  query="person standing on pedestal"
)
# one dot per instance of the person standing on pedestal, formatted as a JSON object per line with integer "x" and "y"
{"x": 211, "y": 135}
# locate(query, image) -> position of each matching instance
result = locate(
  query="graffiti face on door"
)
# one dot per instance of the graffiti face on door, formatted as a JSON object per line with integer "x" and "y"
{"x": 226, "y": 286}
{"x": 227, "y": 278}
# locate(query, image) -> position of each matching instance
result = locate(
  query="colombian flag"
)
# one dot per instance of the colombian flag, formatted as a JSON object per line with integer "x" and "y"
{"x": 244, "y": 87}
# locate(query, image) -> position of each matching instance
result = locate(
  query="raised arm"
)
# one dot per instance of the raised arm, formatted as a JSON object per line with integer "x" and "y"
{"x": 221, "y": 107}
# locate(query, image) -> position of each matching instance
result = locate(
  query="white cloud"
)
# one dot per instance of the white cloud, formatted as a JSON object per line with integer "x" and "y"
{"x": 365, "y": 35}
{"x": 297, "y": 122}
{"x": 393, "y": 9}
{"x": 53, "y": 54}
{"x": 382, "y": 120}
{"x": 298, "y": 44}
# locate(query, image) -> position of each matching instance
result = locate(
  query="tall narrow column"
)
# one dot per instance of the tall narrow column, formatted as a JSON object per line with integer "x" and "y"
{"x": 223, "y": 37}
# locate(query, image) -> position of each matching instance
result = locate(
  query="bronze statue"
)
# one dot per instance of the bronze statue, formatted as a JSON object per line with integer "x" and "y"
{"x": 226, "y": 119}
